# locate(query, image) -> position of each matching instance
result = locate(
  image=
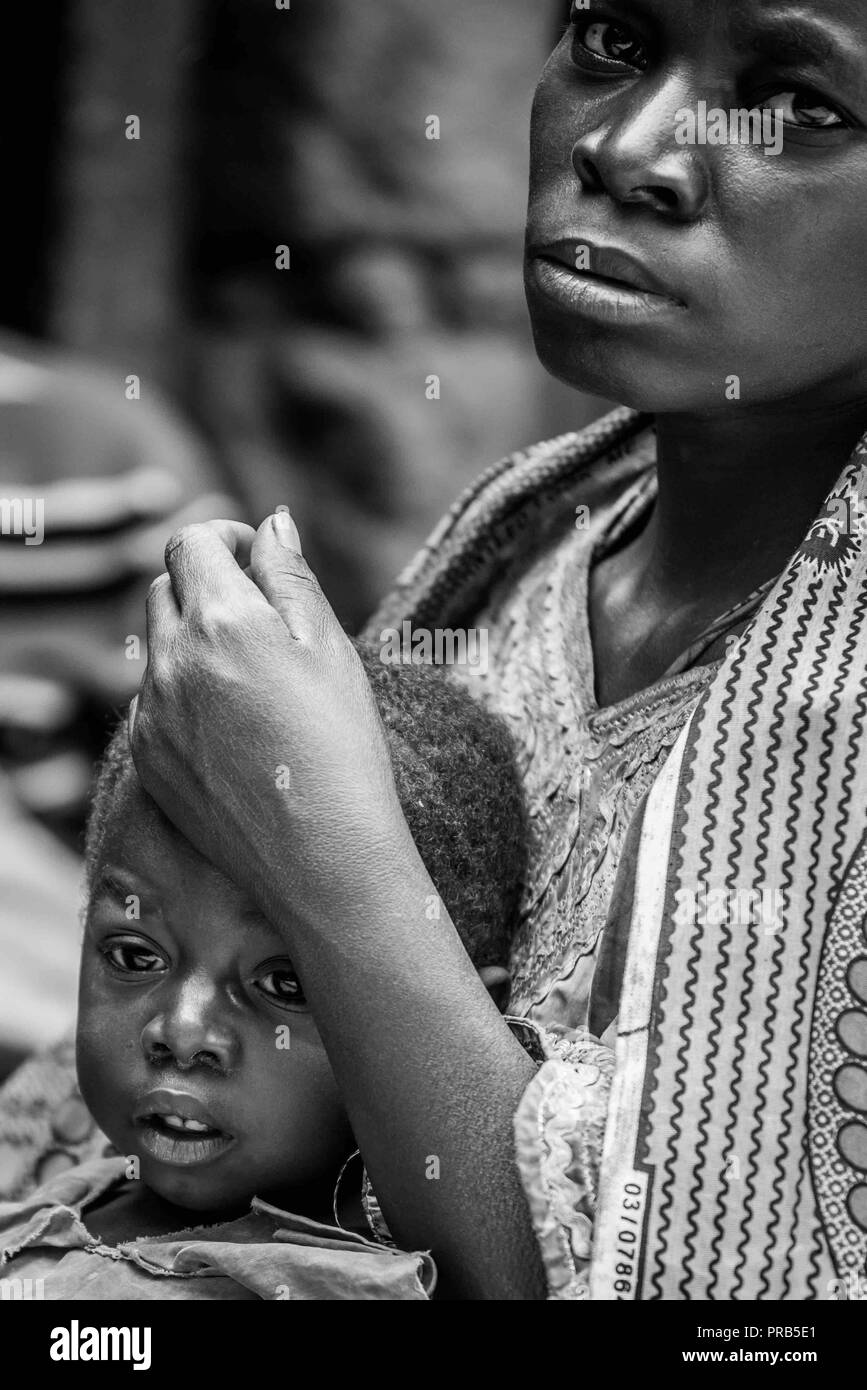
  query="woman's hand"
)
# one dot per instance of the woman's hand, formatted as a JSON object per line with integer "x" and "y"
{"x": 255, "y": 729}
{"x": 257, "y": 734}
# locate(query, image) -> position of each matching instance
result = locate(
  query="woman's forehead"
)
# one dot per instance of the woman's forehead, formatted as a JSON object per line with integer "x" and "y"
{"x": 795, "y": 30}
{"x": 803, "y": 27}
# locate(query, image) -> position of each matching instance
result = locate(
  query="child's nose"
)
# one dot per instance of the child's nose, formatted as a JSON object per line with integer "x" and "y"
{"x": 191, "y": 1030}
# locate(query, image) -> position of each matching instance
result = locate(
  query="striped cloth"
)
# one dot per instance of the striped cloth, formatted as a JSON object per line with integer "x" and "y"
{"x": 734, "y": 1161}
{"x": 737, "y": 1138}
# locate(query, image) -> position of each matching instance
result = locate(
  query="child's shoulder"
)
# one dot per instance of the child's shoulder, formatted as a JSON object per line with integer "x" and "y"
{"x": 45, "y": 1127}
{"x": 57, "y": 1204}
{"x": 128, "y": 1211}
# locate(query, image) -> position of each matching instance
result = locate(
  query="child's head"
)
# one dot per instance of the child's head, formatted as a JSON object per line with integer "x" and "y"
{"x": 681, "y": 234}
{"x": 196, "y": 1049}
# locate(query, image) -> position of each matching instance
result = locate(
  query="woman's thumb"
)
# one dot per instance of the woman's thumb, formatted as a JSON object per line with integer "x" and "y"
{"x": 285, "y": 529}
{"x": 279, "y": 569}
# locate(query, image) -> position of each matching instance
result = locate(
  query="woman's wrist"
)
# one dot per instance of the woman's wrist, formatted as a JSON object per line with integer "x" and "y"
{"x": 358, "y": 874}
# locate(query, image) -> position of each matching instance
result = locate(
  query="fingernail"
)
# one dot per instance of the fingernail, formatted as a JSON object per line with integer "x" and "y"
{"x": 286, "y": 531}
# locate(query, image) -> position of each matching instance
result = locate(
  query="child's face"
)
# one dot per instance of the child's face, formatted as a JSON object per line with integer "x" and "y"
{"x": 765, "y": 252}
{"x": 191, "y": 1011}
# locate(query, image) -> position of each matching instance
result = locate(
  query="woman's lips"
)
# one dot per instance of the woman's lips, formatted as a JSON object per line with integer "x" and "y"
{"x": 601, "y": 283}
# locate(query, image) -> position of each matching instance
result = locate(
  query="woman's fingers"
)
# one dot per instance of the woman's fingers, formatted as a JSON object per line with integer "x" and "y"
{"x": 163, "y": 613}
{"x": 216, "y": 569}
{"x": 130, "y": 719}
{"x": 206, "y": 562}
{"x": 287, "y": 581}
{"x": 285, "y": 529}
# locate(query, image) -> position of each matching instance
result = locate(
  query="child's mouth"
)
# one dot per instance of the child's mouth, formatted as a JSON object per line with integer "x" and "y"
{"x": 175, "y": 1128}
{"x": 171, "y": 1139}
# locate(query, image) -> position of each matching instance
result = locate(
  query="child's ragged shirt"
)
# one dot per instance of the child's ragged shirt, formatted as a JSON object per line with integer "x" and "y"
{"x": 268, "y": 1253}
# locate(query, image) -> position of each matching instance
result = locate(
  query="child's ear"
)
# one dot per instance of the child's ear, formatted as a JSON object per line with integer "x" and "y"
{"x": 497, "y": 982}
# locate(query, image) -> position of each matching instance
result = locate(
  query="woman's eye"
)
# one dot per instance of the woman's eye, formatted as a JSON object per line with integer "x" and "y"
{"x": 135, "y": 960}
{"x": 803, "y": 109}
{"x": 281, "y": 987}
{"x": 609, "y": 42}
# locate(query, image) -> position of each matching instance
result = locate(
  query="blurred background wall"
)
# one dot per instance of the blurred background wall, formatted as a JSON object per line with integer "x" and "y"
{"x": 256, "y": 251}
{"x": 304, "y": 127}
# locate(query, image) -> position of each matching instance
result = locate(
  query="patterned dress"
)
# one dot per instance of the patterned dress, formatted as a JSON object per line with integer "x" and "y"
{"x": 585, "y": 770}
{"x": 696, "y": 892}
{"x": 654, "y": 1168}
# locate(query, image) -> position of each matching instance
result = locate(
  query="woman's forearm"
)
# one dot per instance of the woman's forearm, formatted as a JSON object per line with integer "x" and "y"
{"x": 430, "y": 1073}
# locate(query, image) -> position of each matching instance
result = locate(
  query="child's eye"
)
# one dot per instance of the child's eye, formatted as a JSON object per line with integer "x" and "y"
{"x": 607, "y": 43}
{"x": 281, "y": 986}
{"x": 803, "y": 109}
{"x": 132, "y": 958}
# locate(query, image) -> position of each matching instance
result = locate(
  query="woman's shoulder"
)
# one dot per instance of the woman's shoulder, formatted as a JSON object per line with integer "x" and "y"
{"x": 516, "y": 502}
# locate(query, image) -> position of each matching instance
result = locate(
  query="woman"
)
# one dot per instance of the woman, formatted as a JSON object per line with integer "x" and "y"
{"x": 684, "y": 670}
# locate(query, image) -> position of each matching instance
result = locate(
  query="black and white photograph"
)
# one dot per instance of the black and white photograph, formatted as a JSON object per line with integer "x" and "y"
{"x": 433, "y": 669}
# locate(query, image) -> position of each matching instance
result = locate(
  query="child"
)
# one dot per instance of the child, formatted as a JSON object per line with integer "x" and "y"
{"x": 200, "y": 1061}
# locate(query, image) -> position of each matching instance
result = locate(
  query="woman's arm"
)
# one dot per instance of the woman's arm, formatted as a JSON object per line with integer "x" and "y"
{"x": 430, "y": 1073}
{"x": 257, "y": 734}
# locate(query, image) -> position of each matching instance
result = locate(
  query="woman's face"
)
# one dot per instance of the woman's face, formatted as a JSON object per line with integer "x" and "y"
{"x": 741, "y": 259}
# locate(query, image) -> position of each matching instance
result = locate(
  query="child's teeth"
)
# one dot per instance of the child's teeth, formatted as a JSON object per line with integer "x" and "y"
{"x": 177, "y": 1122}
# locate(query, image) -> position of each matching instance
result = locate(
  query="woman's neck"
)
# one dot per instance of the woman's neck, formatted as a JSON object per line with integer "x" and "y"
{"x": 737, "y": 494}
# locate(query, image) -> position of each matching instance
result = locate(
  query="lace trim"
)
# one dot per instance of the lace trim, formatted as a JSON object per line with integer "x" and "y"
{"x": 559, "y": 1132}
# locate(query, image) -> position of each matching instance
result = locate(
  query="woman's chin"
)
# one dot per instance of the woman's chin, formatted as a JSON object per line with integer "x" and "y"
{"x": 620, "y": 387}
{"x": 639, "y": 380}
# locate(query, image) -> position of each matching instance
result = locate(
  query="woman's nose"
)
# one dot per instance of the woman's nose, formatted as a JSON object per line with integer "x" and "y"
{"x": 636, "y": 159}
{"x": 191, "y": 1029}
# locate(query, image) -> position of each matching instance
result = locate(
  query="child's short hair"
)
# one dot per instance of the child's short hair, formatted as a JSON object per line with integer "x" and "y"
{"x": 456, "y": 777}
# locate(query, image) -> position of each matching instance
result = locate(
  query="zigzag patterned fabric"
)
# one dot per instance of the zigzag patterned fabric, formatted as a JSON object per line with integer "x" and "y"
{"x": 735, "y": 1160}
{"x": 734, "y": 1163}
{"x": 735, "y": 1156}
